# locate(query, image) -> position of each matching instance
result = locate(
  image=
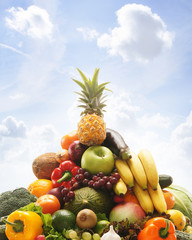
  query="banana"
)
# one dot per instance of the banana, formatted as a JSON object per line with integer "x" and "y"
{"x": 125, "y": 172}
{"x": 120, "y": 188}
{"x": 158, "y": 199}
{"x": 150, "y": 168}
{"x": 143, "y": 198}
{"x": 137, "y": 170}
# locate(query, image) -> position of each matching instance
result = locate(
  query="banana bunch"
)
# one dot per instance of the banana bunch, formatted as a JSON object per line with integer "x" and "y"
{"x": 140, "y": 173}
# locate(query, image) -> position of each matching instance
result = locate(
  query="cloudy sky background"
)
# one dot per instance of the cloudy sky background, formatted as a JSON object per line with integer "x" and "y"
{"x": 142, "y": 47}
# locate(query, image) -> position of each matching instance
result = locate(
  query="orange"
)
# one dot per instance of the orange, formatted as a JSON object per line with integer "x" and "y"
{"x": 40, "y": 187}
{"x": 177, "y": 218}
{"x": 130, "y": 197}
{"x": 169, "y": 198}
{"x": 67, "y": 139}
{"x": 49, "y": 203}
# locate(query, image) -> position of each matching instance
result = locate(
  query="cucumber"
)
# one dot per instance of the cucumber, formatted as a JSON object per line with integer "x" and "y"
{"x": 2, "y": 232}
{"x": 165, "y": 180}
{"x": 115, "y": 142}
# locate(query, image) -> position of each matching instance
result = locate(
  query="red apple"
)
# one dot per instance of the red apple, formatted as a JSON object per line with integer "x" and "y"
{"x": 76, "y": 150}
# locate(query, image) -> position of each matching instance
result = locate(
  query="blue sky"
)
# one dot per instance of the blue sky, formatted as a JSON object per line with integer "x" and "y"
{"x": 142, "y": 47}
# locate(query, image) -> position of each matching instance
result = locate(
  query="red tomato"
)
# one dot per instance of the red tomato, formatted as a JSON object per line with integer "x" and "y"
{"x": 49, "y": 203}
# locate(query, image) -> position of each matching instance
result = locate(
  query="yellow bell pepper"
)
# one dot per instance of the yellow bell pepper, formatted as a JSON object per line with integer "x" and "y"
{"x": 23, "y": 225}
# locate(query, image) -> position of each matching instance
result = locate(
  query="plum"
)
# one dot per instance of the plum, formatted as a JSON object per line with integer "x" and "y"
{"x": 76, "y": 150}
{"x": 132, "y": 211}
{"x": 57, "y": 193}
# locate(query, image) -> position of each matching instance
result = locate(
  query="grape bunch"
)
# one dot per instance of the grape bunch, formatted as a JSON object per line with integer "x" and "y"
{"x": 85, "y": 178}
{"x": 67, "y": 194}
{"x": 96, "y": 181}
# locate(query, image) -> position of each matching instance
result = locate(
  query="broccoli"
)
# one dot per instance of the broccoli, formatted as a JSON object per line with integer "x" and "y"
{"x": 12, "y": 200}
{"x": 2, "y": 232}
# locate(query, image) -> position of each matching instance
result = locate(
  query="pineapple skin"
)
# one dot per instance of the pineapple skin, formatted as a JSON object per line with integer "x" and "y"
{"x": 91, "y": 130}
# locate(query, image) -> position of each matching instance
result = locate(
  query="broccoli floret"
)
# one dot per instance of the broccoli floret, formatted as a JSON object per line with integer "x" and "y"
{"x": 12, "y": 200}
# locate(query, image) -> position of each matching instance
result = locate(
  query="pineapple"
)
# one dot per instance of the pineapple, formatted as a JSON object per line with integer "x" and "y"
{"x": 91, "y": 128}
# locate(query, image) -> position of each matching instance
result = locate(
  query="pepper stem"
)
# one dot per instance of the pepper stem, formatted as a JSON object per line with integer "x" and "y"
{"x": 67, "y": 175}
{"x": 17, "y": 225}
{"x": 164, "y": 232}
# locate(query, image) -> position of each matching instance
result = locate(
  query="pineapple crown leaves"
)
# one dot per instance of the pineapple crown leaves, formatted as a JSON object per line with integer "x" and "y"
{"x": 91, "y": 95}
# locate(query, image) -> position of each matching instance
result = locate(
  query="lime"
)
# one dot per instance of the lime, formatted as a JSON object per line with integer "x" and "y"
{"x": 63, "y": 219}
{"x": 100, "y": 226}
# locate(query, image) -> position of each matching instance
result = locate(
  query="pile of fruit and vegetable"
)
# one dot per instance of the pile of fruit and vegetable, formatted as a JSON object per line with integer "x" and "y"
{"x": 95, "y": 187}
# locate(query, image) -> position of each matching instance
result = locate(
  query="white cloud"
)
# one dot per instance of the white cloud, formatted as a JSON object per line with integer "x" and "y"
{"x": 140, "y": 36}
{"x": 184, "y": 130}
{"x": 17, "y": 154}
{"x": 34, "y": 21}
{"x": 13, "y": 49}
{"x": 88, "y": 34}
{"x": 10, "y": 127}
{"x": 156, "y": 120}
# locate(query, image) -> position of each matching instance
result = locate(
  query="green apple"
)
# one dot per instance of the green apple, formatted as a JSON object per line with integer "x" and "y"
{"x": 98, "y": 159}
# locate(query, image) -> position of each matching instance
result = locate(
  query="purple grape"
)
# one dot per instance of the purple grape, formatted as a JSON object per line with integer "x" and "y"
{"x": 113, "y": 180}
{"x": 85, "y": 182}
{"x": 105, "y": 178}
{"x": 100, "y": 174}
{"x": 96, "y": 185}
{"x": 81, "y": 171}
{"x": 64, "y": 191}
{"x": 101, "y": 182}
{"x": 87, "y": 175}
{"x": 90, "y": 183}
{"x": 116, "y": 175}
{"x": 108, "y": 186}
{"x": 79, "y": 177}
{"x": 75, "y": 186}
{"x": 71, "y": 194}
{"x": 94, "y": 178}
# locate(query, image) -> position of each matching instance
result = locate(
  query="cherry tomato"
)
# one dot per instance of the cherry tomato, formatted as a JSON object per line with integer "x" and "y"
{"x": 49, "y": 203}
{"x": 40, "y": 237}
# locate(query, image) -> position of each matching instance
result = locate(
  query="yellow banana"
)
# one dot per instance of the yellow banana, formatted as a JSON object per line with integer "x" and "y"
{"x": 137, "y": 170}
{"x": 120, "y": 188}
{"x": 144, "y": 198}
{"x": 150, "y": 168}
{"x": 158, "y": 199}
{"x": 125, "y": 172}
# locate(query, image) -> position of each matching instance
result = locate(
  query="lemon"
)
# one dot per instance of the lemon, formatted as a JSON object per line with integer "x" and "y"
{"x": 178, "y": 218}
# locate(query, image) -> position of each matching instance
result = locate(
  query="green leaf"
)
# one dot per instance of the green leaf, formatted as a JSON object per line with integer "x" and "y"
{"x": 82, "y": 75}
{"x": 101, "y": 216}
{"x": 86, "y": 94}
{"x": 82, "y": 106}
{"x": 83, "y": 100}
{"x": 80, "y": 84}
{"x": 95, "y": 80}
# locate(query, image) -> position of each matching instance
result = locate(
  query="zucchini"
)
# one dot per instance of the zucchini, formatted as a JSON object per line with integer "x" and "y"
{"x": 165, "y": 180}
{"x": 115, "y": 142}
{"x": 2, "y": 232}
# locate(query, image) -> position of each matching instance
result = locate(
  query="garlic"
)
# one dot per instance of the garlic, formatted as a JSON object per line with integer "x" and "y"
{"x": 111, "y": 235}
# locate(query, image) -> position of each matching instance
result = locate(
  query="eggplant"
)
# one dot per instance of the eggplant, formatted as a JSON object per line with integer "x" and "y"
{"x": 115, "y": 142}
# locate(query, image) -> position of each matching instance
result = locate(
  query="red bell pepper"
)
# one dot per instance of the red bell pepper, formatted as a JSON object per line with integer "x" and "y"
{"x": 64, "y": 174}
{"x": 157, "y": 229}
